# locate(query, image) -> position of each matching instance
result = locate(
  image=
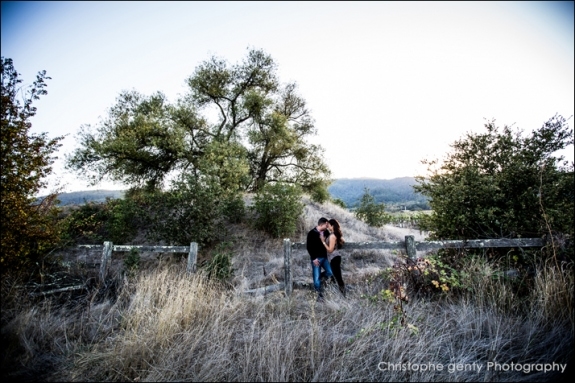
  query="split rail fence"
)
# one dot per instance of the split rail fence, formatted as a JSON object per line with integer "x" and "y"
{"x": 410, "y": 246}
{"x": 109, "y": 247}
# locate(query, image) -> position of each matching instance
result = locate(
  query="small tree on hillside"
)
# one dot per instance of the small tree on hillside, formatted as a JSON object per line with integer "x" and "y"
{"x": 371, "y": 212}
{"x": 26, "y": 159}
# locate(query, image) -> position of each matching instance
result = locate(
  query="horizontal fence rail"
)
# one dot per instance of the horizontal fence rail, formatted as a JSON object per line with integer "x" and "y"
{"x": 150, "y": 249}
{"x": 109, "y": 247}
{"x": 411, "y": 247}
{"x": 432, "y": 245}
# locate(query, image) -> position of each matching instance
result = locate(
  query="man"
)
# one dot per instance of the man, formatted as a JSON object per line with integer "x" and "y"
{"x": 318, "y": 254}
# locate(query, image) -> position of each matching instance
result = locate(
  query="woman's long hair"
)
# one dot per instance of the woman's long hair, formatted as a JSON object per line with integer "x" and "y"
{"x": 338, "y": 234}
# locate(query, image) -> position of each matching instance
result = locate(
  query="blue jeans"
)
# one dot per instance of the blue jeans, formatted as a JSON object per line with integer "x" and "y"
{"x": 323, "y": 262}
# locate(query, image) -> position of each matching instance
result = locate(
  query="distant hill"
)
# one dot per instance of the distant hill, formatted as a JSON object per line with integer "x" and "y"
{"x": 396, "y": 193}
{"x": 82, "y": 197}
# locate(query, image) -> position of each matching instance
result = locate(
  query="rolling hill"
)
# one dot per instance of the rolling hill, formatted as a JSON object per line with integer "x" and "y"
{"x": 82, "y": 197}
{"x": 396, "y": 193}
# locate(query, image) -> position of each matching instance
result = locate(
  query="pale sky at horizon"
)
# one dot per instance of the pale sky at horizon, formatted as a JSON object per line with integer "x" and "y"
{"x": 388, "y": 83}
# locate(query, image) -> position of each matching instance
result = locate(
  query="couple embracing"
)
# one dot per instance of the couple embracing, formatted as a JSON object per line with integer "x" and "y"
{"x": 323, "y": 243}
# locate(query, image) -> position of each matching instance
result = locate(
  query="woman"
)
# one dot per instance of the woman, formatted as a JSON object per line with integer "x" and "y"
{"x": 333, "y": 243}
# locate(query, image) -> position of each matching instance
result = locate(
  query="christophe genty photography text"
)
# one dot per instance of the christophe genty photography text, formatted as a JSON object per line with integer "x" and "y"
{"x": 526, "y": 368}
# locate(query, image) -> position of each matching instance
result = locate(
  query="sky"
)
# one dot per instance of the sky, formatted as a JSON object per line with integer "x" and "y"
{"x": 389, "y": 84}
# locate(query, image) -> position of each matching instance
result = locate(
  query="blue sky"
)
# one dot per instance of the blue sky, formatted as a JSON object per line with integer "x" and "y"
{"x": 388, "y": 83}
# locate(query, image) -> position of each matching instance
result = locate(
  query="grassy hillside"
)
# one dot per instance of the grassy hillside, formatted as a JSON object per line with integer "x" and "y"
{"x": 160, "y": 324}
{"x": 396, "y": 193}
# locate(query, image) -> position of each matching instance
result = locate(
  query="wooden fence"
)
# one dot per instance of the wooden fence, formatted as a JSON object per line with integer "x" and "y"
{"x": 109, "y": 247}
{"x": 411, "y": 247}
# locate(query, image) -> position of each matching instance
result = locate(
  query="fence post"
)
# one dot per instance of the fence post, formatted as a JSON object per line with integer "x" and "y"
{"x": 192, "y": 257}
{"x": 106, "y": 256}
{"x": 287, "y": 267}
{"x": 410, "y": 246}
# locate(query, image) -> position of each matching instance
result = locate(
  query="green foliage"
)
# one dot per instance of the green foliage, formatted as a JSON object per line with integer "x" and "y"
{"x": 84, "y": 225}
{"x": 257, "y": 135}
{"x": 192, "y": 210}
{"x": 138, "y": 143}
{"x": 433, "y": 274}
{"x": 339, "y": 202}
{"x": 27, "y": 228}
{"x": 278, "y": 207}
{"x": 132, "y": 262}
{"x": 220, "y": 265}
{"x": 124, "y": 220}
{"x": 318, "y": 192}
{"x": 501, "y": 184}
{"x": 371, "y": 212}
{"x": 116, "y": 220}
{"x": 226, "y": 164}
{"x": 234, "y": 209}
{"x": 197, "y": 206}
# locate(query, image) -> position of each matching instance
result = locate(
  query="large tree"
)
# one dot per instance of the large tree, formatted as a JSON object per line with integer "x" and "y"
{"x": 501, "y": 183}
{"x": 26, "y": 160}
{"x": 252, "y": 129}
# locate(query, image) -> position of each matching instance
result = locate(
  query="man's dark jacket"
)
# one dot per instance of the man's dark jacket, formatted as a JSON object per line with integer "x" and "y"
{"x": 314, "y": 245}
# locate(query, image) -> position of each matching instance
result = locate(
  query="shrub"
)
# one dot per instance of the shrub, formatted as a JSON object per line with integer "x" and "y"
{"x": 339, "y": 202}
{"x": 116, "y": 220}
{"x": 84, "y": 224}
{"x": 318, "y": 192}
{"x": 190, "y": 212}
{"x": 278, "y": 207}
{"x": 371, "y": 212}
{"x": 501, "y": 184}
{"x": 220, "y": 265}
{"x": 132, "y": 262}
{"x": 234, "y": 209}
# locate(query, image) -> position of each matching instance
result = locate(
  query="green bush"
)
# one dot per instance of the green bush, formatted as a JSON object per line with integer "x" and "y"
{"x": 220, "y": 265}
{"x": 85, "y": 224}
{"x": 132, "y": 262}
{"x": 371, "y": 212}
{"x": 502, "y": 184}
{"x": 318, "y": 191}
{"x": 190, "y": 212}
{"x": 277, "y": 208}
{"x": 339, "y": 202}
{"x": 124, "y": 219}
{"x": 234, "y": 209}
{"x": 116, "y": 220}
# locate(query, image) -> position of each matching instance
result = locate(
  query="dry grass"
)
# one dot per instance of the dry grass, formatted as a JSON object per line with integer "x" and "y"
{"x": 165, "y": 325}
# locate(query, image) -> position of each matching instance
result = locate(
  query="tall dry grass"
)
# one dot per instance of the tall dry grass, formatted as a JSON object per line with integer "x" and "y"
{"x": 166, "y": 325}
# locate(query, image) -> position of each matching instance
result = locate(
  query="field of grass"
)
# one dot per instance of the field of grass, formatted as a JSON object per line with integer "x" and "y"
{"x": 162, "y": 324}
